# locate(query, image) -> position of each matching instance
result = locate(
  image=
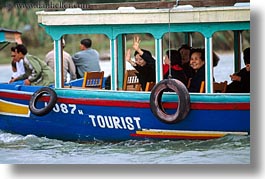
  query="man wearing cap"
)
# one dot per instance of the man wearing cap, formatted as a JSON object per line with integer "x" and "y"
{"x": 87, "y": 59}
{"x": 68, "y": 64}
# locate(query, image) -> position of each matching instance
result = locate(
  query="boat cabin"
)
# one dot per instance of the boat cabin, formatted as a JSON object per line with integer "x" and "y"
{"x": 195, "y": 23}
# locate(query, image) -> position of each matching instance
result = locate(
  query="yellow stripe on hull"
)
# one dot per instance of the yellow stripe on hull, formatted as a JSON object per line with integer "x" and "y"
{"x": 186, "y": 134}
{"x": 14, "y": 109}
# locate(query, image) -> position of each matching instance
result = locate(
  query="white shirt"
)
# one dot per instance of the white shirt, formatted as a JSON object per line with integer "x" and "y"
{"x": 20, "y": 69}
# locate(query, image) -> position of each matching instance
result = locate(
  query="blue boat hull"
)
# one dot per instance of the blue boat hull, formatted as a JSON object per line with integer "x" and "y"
{"x": 111, "y": 116}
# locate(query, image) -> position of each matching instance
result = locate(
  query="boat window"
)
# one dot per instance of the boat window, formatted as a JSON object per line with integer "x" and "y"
{"x": 176, "y": 40}
{"x": 101, "y": 43}
{"x": 193, "y": 39}
{"x": 147, "y": 43}
{"x": 223, "y": 46}
{"x": 245, "y": 39}
{"x": 197, "y": 40}
{"x": 181, "y": 42}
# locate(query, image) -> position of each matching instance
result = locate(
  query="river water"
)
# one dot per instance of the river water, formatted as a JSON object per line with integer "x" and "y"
{"x": 35, "y": 150}
{"x": 17, "y": 149}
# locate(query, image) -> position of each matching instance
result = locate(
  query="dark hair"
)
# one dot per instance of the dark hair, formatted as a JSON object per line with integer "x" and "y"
{"x": 198, "y": 50}
{"x": 246, "y": 56}
{"x": 184, "y": 46}
{"x": 175, "y": 57}
{"x": 86, "y": 42}
{"x": 13, "y": 49}
{"x": 216, "y": 59}
{"x": 146, "y": 52}
{"x": 21, "y": 48}
{"x": 13, "y": 64}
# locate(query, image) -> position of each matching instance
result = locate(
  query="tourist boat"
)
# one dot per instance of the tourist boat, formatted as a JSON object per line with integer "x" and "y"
{"x": 71, "y": 113}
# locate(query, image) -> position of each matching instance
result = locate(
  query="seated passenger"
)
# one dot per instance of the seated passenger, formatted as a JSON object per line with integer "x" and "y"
{"x": 241, "y": 80}
{"x": 68, "y": 64}
{"x": 14, "y": 69}
{"x": 197, "y": 62}
{"x": 37, "y": 72}
{"x": 144, "y": 63}
{"x": 87, "y": 59}
{"x": 184, "y": 50}
{"x": 175, "y": 62}
{"x": 17, "y": 67}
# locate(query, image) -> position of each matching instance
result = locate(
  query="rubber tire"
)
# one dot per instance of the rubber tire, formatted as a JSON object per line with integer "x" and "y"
{"x": 36, "y": 95}
{"x": 183, "y": 101}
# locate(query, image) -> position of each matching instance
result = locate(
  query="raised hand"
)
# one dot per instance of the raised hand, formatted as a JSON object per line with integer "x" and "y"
{"x": 136, "y": 43}
{"x": 128, "y": 55}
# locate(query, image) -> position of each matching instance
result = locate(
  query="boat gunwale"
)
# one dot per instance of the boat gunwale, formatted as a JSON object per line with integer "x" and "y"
{"x": 141, "y": 96}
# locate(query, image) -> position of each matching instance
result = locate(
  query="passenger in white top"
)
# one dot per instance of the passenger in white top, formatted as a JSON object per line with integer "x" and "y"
{"x": 17, "y": 67}
{"x": 68, "y": 64}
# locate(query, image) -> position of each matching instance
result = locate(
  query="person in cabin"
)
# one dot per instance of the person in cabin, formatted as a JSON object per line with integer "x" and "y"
{"x": 87, "y": 59}
{"x": 144, "y": 63}
{"x": 68, "y": 64}
{"x": 197, "y": 62}
{"x": 37, "y": 72}
{"x": 173, "y": 59}
{"x": 184, "y": 50}
{"x": 216, "y": 59}
{"x": 241, "y": 80}
{"x": 17, "y": 67}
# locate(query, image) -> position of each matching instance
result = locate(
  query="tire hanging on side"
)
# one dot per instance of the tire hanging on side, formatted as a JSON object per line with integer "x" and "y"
{"x": 183, "y": 100}
{"x": 37, "y": 95}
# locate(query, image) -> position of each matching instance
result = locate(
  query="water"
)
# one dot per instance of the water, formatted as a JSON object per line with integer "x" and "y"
{"x": 17, "y": 149}
{"x": 35, "y": 150}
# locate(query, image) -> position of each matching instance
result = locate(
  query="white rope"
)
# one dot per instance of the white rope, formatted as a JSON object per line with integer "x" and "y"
{"x": 169, "y": 46}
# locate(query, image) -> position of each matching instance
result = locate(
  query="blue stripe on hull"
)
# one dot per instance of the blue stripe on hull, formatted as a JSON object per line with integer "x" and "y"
{"x": 117, "y": 123}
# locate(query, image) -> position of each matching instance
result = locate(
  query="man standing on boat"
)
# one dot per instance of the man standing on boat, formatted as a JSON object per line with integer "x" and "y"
{"x": 37, "y": 73}
{"x": 87, "y": 59}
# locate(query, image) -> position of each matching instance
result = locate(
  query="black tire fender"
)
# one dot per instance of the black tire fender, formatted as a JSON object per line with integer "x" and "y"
{"x": 36, "y": 96}
{"x": 183, "y": 100}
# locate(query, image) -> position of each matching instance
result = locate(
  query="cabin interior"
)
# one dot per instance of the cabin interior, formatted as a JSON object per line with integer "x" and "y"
{"x": 230, "y": 60}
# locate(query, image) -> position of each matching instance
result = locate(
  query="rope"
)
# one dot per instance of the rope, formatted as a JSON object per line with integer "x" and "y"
{"x": 169, "y": 39}
{"x": 169, "y": 46}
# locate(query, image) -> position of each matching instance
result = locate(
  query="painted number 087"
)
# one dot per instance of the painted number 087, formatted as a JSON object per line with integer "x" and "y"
{"x": 64, "y": 108}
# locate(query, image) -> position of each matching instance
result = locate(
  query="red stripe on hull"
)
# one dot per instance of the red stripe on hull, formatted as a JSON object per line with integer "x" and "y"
{"x": 195, "y": 106}
{"x": 135, "y": 104}
{"x": 174, "y": 137}
{"x": 15, "y": 95}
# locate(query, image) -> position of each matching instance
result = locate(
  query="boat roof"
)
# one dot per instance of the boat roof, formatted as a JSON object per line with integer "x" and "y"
{"x": 131, "y": 15}
{"x": 9, "y": 35}
{"x": 9, "y": 30}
